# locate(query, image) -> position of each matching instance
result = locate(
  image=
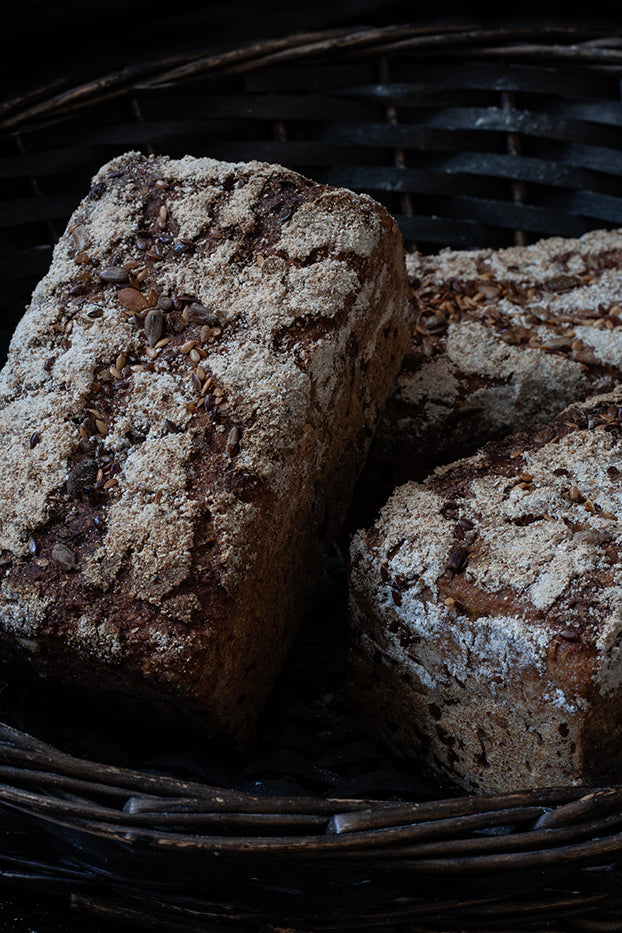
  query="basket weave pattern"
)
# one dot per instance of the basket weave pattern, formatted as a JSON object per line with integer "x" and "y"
{"x": 471, "y": 138}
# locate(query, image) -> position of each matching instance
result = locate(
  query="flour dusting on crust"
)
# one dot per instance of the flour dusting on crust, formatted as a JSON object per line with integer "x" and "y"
{"x": 196, "y": 380}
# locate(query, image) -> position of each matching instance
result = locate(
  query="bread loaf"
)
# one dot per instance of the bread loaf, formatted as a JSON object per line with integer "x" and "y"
{"x": 504, "y": 338}
{"x": 486, "y": 609}
{"x": 184, "y": 410}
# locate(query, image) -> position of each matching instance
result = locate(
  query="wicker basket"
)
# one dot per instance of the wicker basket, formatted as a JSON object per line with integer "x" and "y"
{"x": 471, "y": 137}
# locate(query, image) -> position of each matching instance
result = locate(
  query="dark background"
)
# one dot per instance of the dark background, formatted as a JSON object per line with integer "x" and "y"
{"x": 45, "y": 43}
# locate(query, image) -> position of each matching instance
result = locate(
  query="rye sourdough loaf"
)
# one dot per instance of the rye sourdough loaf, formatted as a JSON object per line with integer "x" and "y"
{"x": 487, "y": 609}
{"x": 184, "y": 411}
{"x": 504, "y": 338}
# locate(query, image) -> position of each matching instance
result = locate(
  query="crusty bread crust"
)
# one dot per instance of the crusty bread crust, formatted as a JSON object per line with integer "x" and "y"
{"x": 504, "y": 338}
{"x": 486, "y": 608}
{"x": 185, "y": 407}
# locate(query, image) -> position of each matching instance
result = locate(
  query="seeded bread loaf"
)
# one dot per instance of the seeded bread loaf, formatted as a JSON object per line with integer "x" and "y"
{"x": 486, "y": 605}
{"x": 185, "y": 407}
{"x": 504, "y": 338}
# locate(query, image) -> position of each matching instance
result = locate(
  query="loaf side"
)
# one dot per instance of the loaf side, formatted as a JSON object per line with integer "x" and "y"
{"x": 185, "y": 407}
{"x": 486, "y": 609}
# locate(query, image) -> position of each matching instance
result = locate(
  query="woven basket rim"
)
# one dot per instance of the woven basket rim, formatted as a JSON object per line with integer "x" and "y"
{"x": 165, "y": 825}
{"x": 49, "y": 100}
{"x": 358, "y": 819}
